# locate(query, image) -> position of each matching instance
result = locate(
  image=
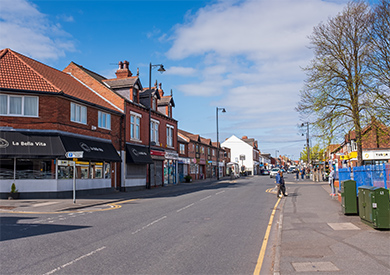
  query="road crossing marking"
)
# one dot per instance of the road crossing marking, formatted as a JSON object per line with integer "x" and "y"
{"x": 265, "y": 241}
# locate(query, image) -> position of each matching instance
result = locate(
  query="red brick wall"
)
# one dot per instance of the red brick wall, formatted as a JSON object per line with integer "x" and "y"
{"x": 54, "y": 114}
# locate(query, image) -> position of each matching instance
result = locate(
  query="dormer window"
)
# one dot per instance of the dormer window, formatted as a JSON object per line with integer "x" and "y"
{"x": 135, "y": 95}
{"x": 153, "y": 103}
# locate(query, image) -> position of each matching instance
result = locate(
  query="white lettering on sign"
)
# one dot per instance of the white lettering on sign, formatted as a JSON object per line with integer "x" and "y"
{"x": 29, "y": 143}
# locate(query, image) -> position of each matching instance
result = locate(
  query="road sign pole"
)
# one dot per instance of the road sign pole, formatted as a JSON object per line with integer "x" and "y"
{"x": 74, "y": 182}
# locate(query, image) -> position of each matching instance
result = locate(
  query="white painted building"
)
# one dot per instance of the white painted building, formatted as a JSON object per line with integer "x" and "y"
{"x": 242, "y": 153}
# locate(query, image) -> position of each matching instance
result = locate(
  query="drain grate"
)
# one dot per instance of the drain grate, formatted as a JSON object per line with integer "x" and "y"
{"x": 314, "y": 266}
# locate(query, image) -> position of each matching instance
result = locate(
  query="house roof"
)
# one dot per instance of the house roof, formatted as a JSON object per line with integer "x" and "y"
{"x": 121, "y": 82}
{"x": 166, "y": 100}
{"x": 23, "y": 73}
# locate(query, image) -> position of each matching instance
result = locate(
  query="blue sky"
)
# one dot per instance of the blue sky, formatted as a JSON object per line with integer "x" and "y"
{"x": 243, "y": 55}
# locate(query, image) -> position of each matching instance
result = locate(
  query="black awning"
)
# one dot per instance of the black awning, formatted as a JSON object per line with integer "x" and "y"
{"x": 137, "y": 154}
{"x": 32, "y": 145}
{"x": 92, "y": 149}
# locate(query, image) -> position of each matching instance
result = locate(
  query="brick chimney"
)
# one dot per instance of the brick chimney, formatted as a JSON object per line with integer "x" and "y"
{"x": 160, "y": 90}
{"x": 244, "y": 137}
{"x": 123, "y": 70}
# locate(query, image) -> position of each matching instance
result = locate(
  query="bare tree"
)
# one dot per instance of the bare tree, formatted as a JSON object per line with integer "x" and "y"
{"x": 339, "y": 91}
{"x": 381, "y": 42}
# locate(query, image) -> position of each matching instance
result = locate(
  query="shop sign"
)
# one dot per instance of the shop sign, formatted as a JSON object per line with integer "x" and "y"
{"x": 157, "y": 153}
{"x": 184, "y": 160}
{"x": 376, "y": 155}
{"x": 171, "y": 155}
{"x": 202, "y": 161}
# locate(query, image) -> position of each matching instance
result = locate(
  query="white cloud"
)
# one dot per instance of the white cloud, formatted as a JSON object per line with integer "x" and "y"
{"x": 183, "y": 71}
{"x": 23, "y": 28}
{"x": 251, "y": 55}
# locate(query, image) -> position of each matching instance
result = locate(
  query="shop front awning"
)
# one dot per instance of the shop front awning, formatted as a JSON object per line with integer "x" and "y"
{"x": 25, "y": 144}
{"x": 92, "y": 149}
{"x": 137, "y": 154}
{"x": 32, "y": 145}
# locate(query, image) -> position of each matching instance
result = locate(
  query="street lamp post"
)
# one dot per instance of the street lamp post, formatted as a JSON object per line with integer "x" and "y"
{"x": 160, "y": 69}
{"x": 223, "y": 111}
{"x": 307, "y": 141}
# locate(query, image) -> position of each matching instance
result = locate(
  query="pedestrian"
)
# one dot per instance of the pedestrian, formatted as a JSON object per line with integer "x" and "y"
{"x": 280, "y": 185}
{"x": 331, "y": 182}
{"x": 303, "y": 173}
{"x": 297, "y": 174}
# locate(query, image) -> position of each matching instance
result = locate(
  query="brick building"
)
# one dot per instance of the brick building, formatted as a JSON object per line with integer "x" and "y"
{"x": 45, "y": 113}
{"x": 375, "y": 145}
{"x": 127, "y": 93}
{"x": 202, "y": 155}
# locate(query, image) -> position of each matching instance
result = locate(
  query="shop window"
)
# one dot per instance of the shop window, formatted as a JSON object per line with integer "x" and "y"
{"x": 107, "y": 170}
{"x": 6, "y": 168}
{"x": 65, "y": 169}
{"x": 19, "y": 105}
{"x": 96, "y": 170}
{"x": 104, "y": 120}
{"x": 34, "y": 169}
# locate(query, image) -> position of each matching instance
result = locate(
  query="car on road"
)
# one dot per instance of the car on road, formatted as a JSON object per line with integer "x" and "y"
{"x": 274, "y": 172}
{"x": 264, "y": 172}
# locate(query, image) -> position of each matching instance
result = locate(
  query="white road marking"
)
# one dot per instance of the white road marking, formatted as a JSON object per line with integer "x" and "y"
{"x": 205, "y": 198}
{"x": 76, "y": 260}
{"x": 150, "y": 224}
{"x": 44, "y": 203}
{"x": 185, "y": 207}
{"x": 220, "y": 192}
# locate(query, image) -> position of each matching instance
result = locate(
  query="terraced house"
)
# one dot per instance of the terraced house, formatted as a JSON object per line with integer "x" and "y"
{"x": 45, "y": 114}
{"x": 127, "y": 93}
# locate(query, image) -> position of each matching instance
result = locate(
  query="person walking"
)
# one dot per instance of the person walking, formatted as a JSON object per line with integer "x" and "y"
{"x": 331, "y": 182}
{"x": 297, "y": 174}
{"x": 280, "y": 184}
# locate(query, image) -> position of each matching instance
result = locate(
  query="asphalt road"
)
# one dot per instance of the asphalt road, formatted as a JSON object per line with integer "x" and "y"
{"x": 216, "y": 229}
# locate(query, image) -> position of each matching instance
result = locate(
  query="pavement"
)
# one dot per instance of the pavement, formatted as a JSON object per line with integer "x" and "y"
{"x": 313, "y": 235}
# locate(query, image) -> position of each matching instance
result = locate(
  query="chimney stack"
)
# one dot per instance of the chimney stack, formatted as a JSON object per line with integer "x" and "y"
{"x": 123, "y": 70}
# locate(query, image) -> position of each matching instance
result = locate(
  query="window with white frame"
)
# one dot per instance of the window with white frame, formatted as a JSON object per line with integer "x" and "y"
{"x": 170, "y": 129}
{"x": 154, "y": 124}
{"x": 104, "y": 120}
{"x": 78, "y": 113}
{"x": 135, "y": 126}
{"x": 182, "y": 148}
{"x": 15, "y": 105}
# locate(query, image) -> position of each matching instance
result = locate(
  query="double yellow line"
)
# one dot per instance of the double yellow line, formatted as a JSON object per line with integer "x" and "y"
{"x": 265, "y": 241}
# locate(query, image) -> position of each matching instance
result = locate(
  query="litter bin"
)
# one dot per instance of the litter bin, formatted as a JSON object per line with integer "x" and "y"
{"x": 349, "y": 199}
{"x": 374, "y": 206}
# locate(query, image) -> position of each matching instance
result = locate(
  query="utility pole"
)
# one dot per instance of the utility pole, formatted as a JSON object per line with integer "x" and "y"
{"x": 307, "y": 141}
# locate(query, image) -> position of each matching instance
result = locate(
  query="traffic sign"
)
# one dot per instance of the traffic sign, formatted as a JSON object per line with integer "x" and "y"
{"x": 76, "y": 154}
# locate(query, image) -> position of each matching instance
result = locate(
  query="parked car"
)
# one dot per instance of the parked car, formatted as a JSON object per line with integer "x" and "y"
{"x": 264, "y": 172}
{"x": 273, "y": 172}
